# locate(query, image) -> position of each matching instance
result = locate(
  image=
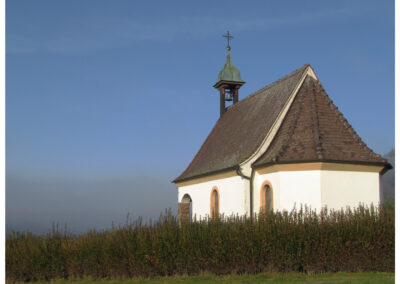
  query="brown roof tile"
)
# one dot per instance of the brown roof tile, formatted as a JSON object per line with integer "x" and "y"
{"x": 315, "y": 130}
{"x": 239, "y": 132}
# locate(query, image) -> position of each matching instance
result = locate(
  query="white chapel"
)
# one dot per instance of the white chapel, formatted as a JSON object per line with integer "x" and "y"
{"x": 283, "y": 146}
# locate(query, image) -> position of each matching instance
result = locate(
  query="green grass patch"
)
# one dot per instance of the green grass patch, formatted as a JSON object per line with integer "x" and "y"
{"x": 341, "y": 277}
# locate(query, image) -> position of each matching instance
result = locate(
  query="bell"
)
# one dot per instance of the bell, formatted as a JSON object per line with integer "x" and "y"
{"x": 228, "y": 97}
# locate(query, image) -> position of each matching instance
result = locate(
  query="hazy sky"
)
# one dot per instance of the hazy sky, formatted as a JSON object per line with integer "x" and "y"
{"x": 108, "y": 101}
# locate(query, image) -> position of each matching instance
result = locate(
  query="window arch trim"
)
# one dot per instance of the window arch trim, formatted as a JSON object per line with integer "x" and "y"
{"x": 262, "y": 196}
{"x": 186, "y": 198}
{"x": 212, "y": 202}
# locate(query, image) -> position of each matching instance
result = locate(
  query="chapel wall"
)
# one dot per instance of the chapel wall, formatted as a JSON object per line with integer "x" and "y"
{"x": 291, "y": 189}
{"x": 349, "y": 188}
{"x": 232, "y": 196}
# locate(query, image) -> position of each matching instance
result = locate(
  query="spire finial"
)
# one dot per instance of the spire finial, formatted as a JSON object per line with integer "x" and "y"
{"x": 228, "y": 36}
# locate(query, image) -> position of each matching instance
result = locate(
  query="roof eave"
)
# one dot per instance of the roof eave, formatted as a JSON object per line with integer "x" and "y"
{"x": 222, "y": 82}
{"x": 387, "y": 166}
{"x": 177, "y": 180}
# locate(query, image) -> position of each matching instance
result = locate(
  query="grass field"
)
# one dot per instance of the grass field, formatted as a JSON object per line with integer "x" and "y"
{"x": 341, "y": 277}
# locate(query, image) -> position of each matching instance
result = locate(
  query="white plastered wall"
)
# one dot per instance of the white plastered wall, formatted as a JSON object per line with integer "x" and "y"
{"x": 322, "y": 187}
{"x": 290, "y": 189}
{"x": 232, "y": 196}
{"x": 349, "y": 188}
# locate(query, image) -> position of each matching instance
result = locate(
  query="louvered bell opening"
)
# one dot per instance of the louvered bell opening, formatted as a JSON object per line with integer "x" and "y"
{"x": 228, "y": 95}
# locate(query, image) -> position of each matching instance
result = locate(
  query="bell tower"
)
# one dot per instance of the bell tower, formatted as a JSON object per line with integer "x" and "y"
{"x": 229, "y": 80}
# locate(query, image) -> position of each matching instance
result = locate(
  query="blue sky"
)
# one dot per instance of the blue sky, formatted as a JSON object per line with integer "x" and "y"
{"x": 108, "y": 101}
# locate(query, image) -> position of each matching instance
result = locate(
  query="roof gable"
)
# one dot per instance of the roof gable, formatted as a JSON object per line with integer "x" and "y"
{"x": 315, "y": 130}
{"x": 241, "y": 130}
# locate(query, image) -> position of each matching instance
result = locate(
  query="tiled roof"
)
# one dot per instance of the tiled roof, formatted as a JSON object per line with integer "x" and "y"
{"x": 313, "y": 130}
{"x": 240, "y": 131}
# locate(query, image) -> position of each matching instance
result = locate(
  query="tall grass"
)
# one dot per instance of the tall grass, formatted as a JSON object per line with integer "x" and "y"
{"x": 361, "y": 239}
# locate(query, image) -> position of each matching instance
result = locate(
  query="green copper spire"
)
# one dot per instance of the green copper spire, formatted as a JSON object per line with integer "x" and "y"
{"x": 229, "y": 81}
{"x": 229, "y": 73}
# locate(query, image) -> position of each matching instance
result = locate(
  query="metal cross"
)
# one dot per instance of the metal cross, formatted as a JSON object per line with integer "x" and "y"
{"x": 228, "y": 36}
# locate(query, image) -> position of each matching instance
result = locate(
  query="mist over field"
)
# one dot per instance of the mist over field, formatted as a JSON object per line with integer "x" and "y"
{"x": 34, "y": 203}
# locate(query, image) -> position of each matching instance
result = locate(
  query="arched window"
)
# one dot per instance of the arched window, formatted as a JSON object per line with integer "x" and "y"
{"x": 266, "y": 198}
{"x": 186, "y": 208}
{"x": 214, "y": 208}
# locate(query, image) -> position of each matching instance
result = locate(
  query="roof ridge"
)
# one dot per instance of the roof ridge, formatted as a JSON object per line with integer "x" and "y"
{"x": 315, "y": 120}
{"x": 284, "y": 147}
{"x": 272, "y": 84}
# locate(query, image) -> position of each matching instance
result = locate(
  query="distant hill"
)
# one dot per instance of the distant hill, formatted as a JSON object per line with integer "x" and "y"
{"x": 387, "y": 180}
